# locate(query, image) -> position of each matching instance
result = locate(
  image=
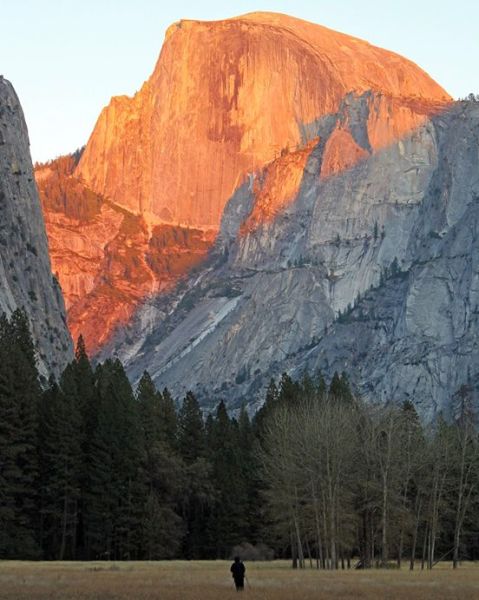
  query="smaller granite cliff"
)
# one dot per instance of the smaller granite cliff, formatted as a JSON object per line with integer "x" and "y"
{"x": 26, "y": 278}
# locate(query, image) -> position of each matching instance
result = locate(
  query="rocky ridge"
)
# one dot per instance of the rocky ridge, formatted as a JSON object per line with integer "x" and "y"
{"x": 108, "y": 259}
{"x": 226, "y": 99}
{"x": 374, "y": 270}
{"x": 26, "y": 279}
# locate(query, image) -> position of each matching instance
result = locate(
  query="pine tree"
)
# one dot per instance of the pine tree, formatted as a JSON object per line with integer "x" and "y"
{"x": 247, "y": 457}
{"x": 308, "y": 389}
{"x": 289, "y": 390}
{"x": 335, "y": 387}
{"x": 321, "y": 387}
{"x": 149, "y": 410}
{"x": 115, "y": 495}
{"x": 199, "y": 493}
{"x": 78, "y": 385}
{"x": 163, "y": 529}
{"x": 19, "y": 396}
{"x": 229, "y": 517}
{"x": 340, "y": 389}
{"x": 270, "y": 402}
{"x": 163, "y": 472}
{"x": 169, "y": 418}
{"x": 191, "y": 431}
{"x": 61, "y": 470}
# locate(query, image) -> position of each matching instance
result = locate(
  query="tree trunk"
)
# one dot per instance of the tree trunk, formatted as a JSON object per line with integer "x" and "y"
{"x": 424, "y": 547}
{"x": 455, "y": 556}
{"x": 384, "y": 543}
{"x": 332, "y": 527}
{"x": 318, "y": 530}
{"x": 74, "y": 530}
{"x": 298, "y": 543}
{"x": 333, "y": 541}
{"x": 415, "y": 532}
{"x": 310, "y": 557}
{"x": 326, "y": 544}
{"x": 294, "y": 555}
{"x": 64, "y": 527}
{"x": 460, "y": 495}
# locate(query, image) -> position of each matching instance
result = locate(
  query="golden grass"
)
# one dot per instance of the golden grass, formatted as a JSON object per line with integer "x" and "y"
{"x": 181, "y": 580}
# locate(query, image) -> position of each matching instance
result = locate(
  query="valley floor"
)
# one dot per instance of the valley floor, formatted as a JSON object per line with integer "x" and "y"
{"x": 195, "y": 580}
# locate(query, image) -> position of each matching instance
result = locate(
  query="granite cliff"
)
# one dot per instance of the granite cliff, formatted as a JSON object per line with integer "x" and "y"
{"x": 26, "y": 278}
{"x": 374, "y": 270}
{"x": 225, "y": 99}
{"x": 277, "y": 196}
{"x": 107, "y": 258}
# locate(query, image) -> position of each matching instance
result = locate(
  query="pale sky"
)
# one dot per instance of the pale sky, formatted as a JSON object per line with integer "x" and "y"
{"x": 66, "y": 58}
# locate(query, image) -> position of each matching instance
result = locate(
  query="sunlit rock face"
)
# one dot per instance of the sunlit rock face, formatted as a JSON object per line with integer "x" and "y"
{"x": 26, "y": 278}
{"x": 271, "y": 178}
{"x": 225, "y": 98}
{"x": 106, "y": 258}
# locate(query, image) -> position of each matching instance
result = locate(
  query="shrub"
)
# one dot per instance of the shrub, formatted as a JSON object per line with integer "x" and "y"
{"x": 247, "y": 551}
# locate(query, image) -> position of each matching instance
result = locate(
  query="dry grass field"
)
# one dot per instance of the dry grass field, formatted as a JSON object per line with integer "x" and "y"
{"x": 182, "y": 580}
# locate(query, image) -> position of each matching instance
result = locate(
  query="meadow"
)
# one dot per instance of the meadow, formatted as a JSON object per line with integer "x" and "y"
{"x": 210, "y": 580}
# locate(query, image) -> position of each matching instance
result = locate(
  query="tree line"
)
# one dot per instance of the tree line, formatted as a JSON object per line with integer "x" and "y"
{"x": 92, "y": 469}
{"x": 350, "y": 479}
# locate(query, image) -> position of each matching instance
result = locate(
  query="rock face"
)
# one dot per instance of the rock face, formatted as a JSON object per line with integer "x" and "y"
{"x": 341, "y": 184}
{"x": 226, "y": 99}
{"x": 26, "y": 278}
{"x": 374, "y": 270}
{"x": 106, "y": 258}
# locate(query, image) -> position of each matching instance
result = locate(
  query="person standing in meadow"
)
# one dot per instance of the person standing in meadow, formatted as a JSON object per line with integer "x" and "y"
{"x": 238, "y": 571}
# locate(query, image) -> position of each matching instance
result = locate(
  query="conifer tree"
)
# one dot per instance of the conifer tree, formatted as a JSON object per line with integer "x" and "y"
{"x": 289, "y": 390}
{"x": 114, "y": 498}
{"x": 229, "y": 514}
{"x": 149, "y": 410}
{"x": 335, "y": 387}
{"x": 162, "y": 527}
{"x": 169, "y": 418}
{"x": 19, "y": 395}
{"x": 78, "y": 385}
{"x": 248, "y": 459}
{"x": 199, "y": 493}
{"x": 321, "y": 387}
{"x": 191, "y": 431}
{"x": 61, "y": 470}
{"x": 270, "y": 402}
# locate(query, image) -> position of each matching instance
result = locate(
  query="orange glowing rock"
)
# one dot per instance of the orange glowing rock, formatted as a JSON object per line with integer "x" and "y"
{"x": 224, "y": 99}
{"x": 107, "y": 259}
{"x": 341, "y": 153}
{"x": 278, "y": 186}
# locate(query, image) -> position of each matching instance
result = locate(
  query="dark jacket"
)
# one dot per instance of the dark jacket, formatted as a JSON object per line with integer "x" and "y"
{"x": 238, "y": 570}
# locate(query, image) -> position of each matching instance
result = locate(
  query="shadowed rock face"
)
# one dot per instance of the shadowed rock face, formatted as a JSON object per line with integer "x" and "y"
{"x": 26, "y": 278}
{"x": 232, "y": 106}
{"x": 374, "y": 270}
{"x": 224, "y": 99}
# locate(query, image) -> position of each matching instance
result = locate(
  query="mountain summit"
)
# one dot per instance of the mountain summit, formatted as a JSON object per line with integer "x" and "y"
{"x": 224, "y": 99}
{"x": 277, "y": 196}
